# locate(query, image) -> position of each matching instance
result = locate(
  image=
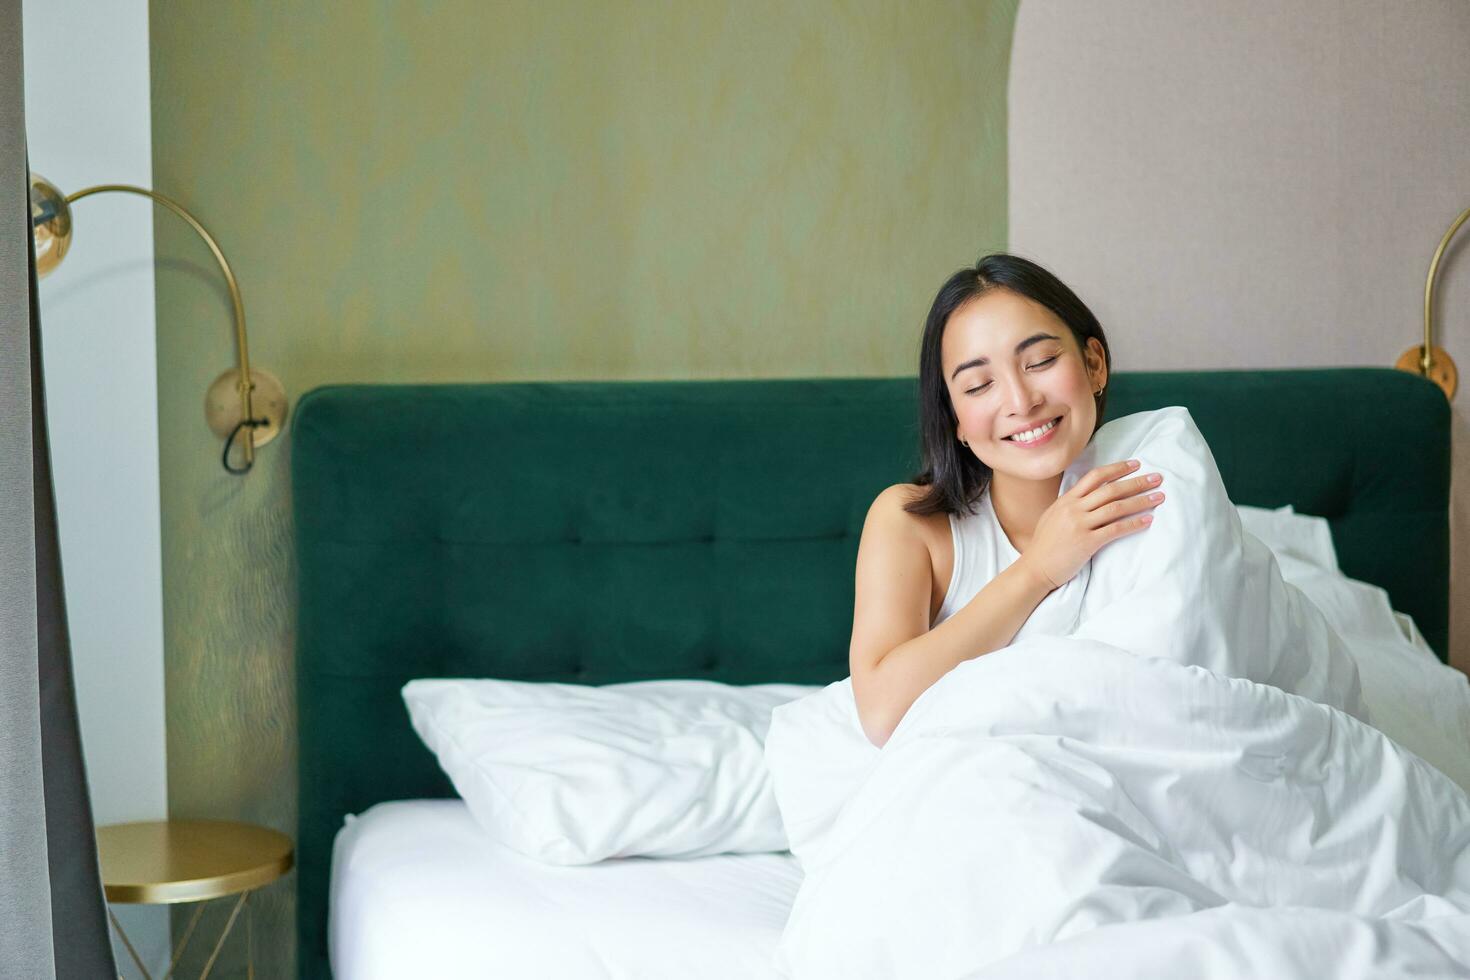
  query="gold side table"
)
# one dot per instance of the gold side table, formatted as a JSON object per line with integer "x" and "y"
{"x": 165, "y": 862}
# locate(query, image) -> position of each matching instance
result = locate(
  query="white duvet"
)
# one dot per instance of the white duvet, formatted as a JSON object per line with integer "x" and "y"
{"x": 1166, "y": 774}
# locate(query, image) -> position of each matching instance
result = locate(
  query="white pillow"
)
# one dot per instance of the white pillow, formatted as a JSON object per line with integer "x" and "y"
{"x": 574, "y": 774}
{"x": 1293, "y": 538}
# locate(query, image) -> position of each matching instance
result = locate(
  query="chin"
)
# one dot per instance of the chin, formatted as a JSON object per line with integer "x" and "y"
{"x": 1041, "y": 470}
{"x": 1048, "y": 463}
{"x": 1035, "y": 469}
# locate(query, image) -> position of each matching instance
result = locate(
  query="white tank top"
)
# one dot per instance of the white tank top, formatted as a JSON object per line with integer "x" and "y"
{"x": 981, "y": 552}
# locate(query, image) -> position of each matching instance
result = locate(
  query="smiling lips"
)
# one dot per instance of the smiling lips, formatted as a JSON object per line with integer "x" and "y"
{"x": 1035, "y": 437}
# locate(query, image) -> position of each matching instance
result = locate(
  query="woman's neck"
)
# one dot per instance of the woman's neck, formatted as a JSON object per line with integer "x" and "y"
{"x": 1019, "y": 504}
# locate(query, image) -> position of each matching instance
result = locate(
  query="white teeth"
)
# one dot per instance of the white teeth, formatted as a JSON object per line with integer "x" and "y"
{"x": 1033, "y": 434}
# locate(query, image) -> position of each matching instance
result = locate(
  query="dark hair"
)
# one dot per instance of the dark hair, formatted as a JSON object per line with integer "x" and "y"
{"x": 955, "y": 477}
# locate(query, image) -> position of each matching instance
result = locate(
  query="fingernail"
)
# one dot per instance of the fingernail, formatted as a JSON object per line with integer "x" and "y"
{"x": 1147, "y": 518}
{"x": 1155, "y": 497}
{"x": 1133, "y": 464}
{"x": 1155, "y": 477}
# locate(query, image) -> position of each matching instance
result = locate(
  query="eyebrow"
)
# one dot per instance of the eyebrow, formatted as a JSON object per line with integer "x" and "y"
{"x": 1035, "y": 338}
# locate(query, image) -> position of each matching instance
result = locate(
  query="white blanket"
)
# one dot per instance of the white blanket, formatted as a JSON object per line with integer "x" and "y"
{"x": 1163, "y": 775}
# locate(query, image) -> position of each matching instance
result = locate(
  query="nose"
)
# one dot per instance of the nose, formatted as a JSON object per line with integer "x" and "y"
{"x": 1022, "y": 396}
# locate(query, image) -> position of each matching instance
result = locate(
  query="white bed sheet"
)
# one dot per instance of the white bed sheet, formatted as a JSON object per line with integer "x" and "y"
{"x": 419, "y": 890}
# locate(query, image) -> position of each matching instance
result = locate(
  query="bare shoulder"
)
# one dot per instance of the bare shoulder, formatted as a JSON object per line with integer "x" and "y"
{"x": 892, "y": 531}
{"x": 892, "y": 500}
{"x": 889, "y": 508}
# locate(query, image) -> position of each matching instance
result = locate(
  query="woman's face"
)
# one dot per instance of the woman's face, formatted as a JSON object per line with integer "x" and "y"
{"x": 1012, "y": 366}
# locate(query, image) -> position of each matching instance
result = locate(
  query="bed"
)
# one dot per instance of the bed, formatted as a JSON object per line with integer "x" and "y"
{"x": 603, "y": 532}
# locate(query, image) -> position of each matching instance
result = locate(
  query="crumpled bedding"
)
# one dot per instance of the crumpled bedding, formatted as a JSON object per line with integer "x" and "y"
{"x": 1167, "y": 773}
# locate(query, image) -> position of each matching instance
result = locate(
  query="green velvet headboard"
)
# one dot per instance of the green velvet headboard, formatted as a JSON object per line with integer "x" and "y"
{"x": 603, "y": 532}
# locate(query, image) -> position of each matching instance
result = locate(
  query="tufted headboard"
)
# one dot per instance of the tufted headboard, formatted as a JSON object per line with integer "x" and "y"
{"x": 614, "y": 531}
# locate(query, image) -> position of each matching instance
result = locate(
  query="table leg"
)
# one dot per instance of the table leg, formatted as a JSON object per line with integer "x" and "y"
{"x": 250, "y": 941}
{"x": 241, "y": 902}
{"x": 234, "y": 914}
{"x": 183, "y": 943}
{"x": 128, "y": 943}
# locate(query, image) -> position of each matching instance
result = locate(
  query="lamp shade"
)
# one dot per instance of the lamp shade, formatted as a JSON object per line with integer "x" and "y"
{"x": 50, "y": 224}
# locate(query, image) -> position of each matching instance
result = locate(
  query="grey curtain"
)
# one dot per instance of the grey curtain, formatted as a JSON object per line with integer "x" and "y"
{"x": 52, "y": 918}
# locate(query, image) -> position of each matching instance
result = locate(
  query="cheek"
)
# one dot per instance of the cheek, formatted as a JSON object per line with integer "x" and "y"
{"x": 976, "y": 417}
{"x": 1071, "y": 376}
{"x": 972, "y": 414}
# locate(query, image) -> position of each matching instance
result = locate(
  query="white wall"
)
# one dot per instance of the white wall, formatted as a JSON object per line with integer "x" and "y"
{"x": 87, "y": 122}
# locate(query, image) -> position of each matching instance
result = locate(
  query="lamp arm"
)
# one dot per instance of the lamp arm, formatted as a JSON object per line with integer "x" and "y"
{"x": 246, "y": 386}
{"x": 1425, "y": 360}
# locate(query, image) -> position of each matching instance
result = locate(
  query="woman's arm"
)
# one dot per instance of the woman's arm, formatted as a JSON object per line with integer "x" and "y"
{"x": 894, "y": 656}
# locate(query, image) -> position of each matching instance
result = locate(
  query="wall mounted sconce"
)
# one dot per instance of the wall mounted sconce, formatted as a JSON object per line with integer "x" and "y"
{"x": 1434, "y": 362}
{"x": 239, "y": 399}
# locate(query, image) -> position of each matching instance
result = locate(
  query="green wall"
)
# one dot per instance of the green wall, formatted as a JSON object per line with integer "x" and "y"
{"x": 511, "y": 191}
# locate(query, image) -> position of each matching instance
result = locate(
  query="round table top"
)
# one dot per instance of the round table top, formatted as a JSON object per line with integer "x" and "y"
{"x": 163, "y": 861}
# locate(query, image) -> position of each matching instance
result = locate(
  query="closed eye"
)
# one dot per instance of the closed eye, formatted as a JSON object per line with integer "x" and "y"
{"x": 975, "y": 391}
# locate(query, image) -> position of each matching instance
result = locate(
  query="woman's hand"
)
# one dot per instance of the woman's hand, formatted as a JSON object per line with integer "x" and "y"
{"x": 1102, "y": 507}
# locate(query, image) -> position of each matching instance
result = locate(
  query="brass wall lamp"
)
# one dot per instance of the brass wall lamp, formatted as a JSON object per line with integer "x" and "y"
{"x": 1434, "y": 362}
{"x": 239, "y": 399}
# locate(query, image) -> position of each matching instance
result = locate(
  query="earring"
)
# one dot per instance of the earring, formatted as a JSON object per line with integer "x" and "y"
{"x": 964, "y": 443}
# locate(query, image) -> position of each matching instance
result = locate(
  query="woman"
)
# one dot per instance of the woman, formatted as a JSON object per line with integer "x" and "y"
{"x": 1013, "y": 375}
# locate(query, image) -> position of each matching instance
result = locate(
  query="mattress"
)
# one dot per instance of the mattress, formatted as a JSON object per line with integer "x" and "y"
{"x": 418, "y": 890}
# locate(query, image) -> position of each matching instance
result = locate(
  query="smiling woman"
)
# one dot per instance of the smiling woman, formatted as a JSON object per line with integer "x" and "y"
{"x": 1013, "y": 374}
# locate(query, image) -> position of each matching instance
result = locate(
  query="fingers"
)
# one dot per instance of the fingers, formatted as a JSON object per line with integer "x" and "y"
{"x": 1119, "y": 489}
{"x": 1095, "y": 478}
{"x": 1132, "y": 525}
{"x": 1124, "y": 503}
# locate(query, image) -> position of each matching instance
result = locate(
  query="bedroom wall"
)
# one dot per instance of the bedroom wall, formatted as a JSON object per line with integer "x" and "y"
{"x": 514, "y": 192}
{"x": 1253, "y": 185}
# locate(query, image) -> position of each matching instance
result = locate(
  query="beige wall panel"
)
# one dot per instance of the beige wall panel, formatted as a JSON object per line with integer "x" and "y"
{"x": 1253, "y": 185}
